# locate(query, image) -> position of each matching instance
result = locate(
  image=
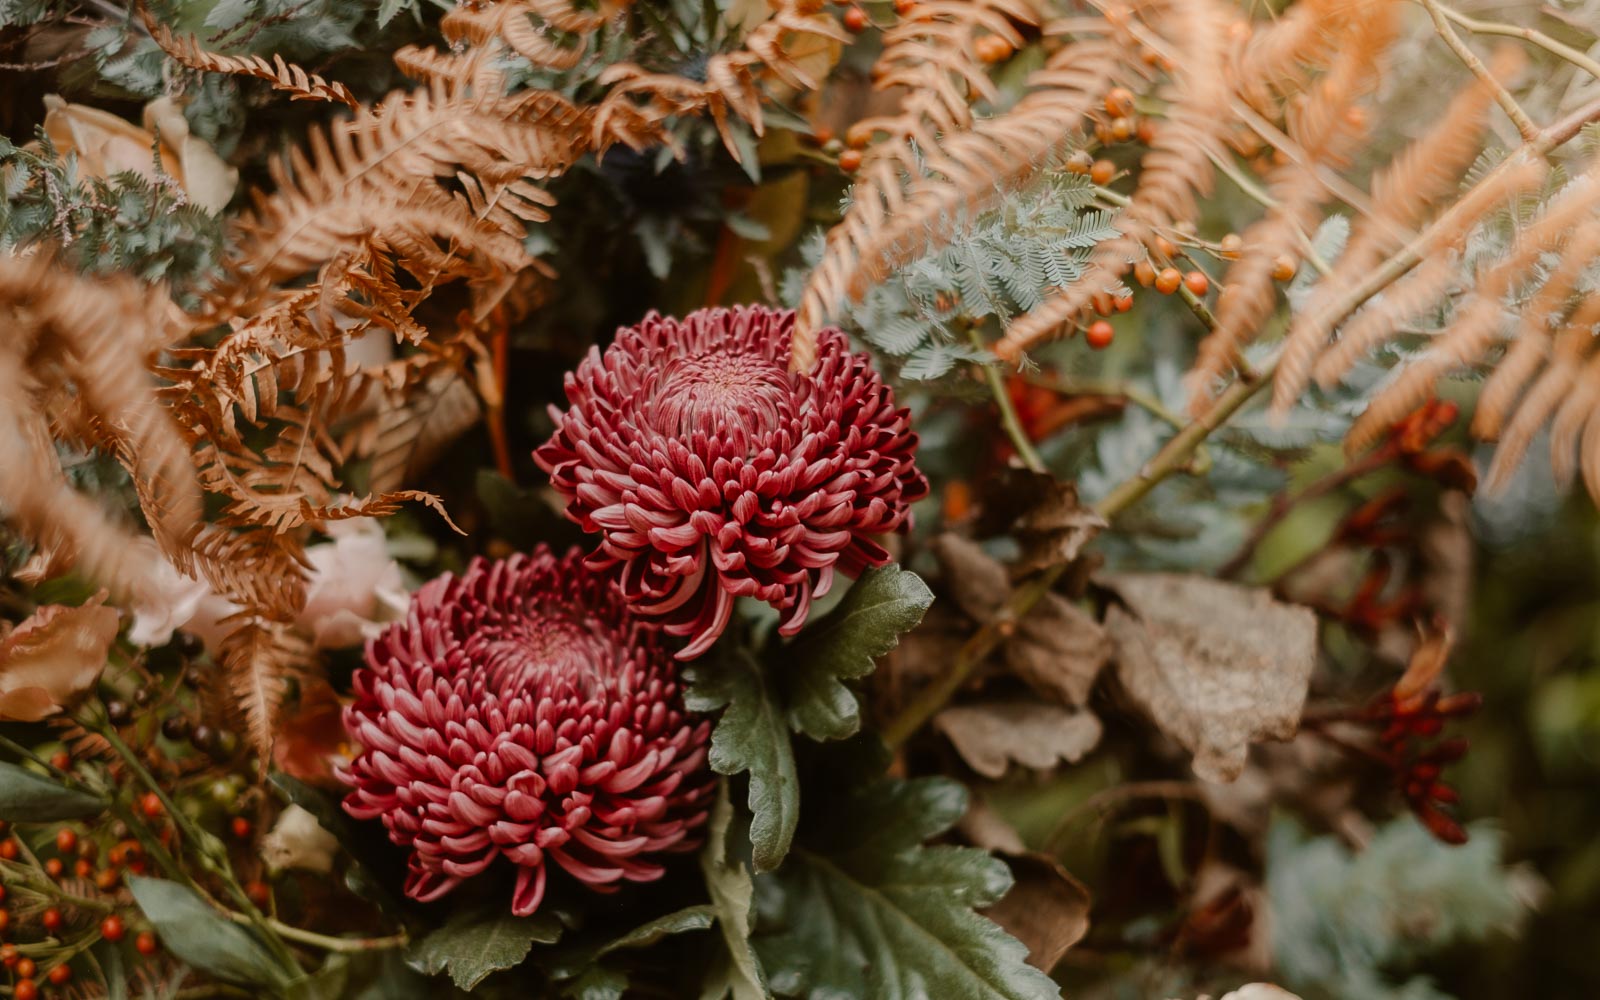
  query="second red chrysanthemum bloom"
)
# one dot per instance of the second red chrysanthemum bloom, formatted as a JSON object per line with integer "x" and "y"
{"x": 713, "y": 472}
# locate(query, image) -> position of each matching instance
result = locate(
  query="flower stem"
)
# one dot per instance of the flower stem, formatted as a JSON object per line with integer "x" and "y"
{"x": 326, "y": 942}
{"x": 1008, "y": 413}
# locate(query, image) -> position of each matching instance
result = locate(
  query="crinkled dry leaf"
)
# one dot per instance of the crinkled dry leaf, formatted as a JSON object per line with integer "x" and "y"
{"x": 1215, "y": 665}
{"x": 973, "y": 578}
{"x": 1056, "y": 529}
{"x": 989, "y": 735}
{"x": 53, "y": 657}
{"x": 1046, "y": 908}
{"x": 1059, "y": 650}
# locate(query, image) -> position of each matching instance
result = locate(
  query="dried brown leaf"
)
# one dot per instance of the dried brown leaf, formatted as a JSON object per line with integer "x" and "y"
{"x": 1046, "y": 908}
{"x": 990, "y": 735}
{"x": 1215, "y": 665}
{"x": 1059, "y": 650}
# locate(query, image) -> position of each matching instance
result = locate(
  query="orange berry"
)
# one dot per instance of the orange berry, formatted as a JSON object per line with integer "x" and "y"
{"x": 1102, "y": 133}
{"x": 1122, "y": 128}
{"x": 66, "y": 840}
{"x": 1103, "y": 303}
{"x": 858, "y": 136}
{"x": 9, "y": 849}
{"x": 60, "y": 974}
{"x": 1146, "y": 131}
{"x": 146, "y": 943}
{"x": 1080, "y": 162}
{"x": 904, "y": 7}
{"x": 822, "y": 135}
{"x": 1165, "y": 248}
{"x": 150, "y": 804}
{"x": 1284, "y": 268}
{"x": 106, "y": 879}
{"x": 850, "y": 160}
{"x": 259, "y": 892}
{"x": 855, "y": 19}
{"x": 240, "y": 827}
{"x": 26, "y": 989}
{"x": 993, "y": 49}
{"x": 1145, "y": 273}
{"x": 113, "y": 929}
{"x": 26, "y": 967}
{"x": 1122, "y": 303}
{"x": 83, "y": 868}
{"x": 51, "y": 919}
{"x": 61, "y": 761}
{"x": 9, "y": 955}
{"x": 1102, "y": 172}
{"x": 1230, "y": 246}
{"x": 1197, "y": 282}
{"x": 1099, "y": 335}
{"x": 54, "y": 867}
{"x": 1119, "y": 102}
{"x": 1168, "y": 280}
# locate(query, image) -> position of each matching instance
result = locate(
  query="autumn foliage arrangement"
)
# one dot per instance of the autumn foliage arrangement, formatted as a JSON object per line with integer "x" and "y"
{"x": 536, "y": 498}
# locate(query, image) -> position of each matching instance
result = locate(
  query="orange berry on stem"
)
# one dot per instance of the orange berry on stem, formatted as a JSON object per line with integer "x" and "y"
{"x": 26, "y": 989}
{"x": 1168, "y": 280}
{"x": 1284, "y": 268}
{"x": 1080, "y": 162}
{"x": 1197, "y": 282}
{"x": 113, "y": 929}
{"x": 1230, "y": 246}
{"x": 855, "y": 19}
{"x": 1102, "y": 172}
{"x": 60, "y": 974}
{"x": 240, "y": 827}
{"x": 850, "y": 160}
{"x": 1119, "y": 102}
{"x": 1145, "y": 273}
{"x": 83, "y": 868}
{"x": 54, "y": 868}
{"x": 1099, "y": 334}
{"x": 150, "y": 805}
{"x": 9, "y": 955}
{"x": 1122, "y": 128}
{"x": 1122, "y": 303}
{"x": 66, "y": 840}
{"x": 1103, "y": 303}
{"x": 1165, "y": 248}
{"x": 9, "y": 849}
{"x": 904, "y": 7}
{"x": 259, "y": 892}
{"x": 51, "y": 919}
{"x": 146, "y": 943}
{"x": 26, "y": 967}
{"x": 993, "y": 49}
{"x": 106, "y": 879}
{"x": 61, "y": 761}
{"x": 1146, "y": 131}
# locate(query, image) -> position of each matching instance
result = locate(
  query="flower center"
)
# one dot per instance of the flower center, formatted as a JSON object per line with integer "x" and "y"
{"x": 718, "y": 391}
{"x": 540, "y": 650}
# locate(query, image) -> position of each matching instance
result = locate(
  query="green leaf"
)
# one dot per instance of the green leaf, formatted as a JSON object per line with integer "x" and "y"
{"x": 690, "y": 918}
{"x": 198, "y": 934}
{"x": 26, "y": 797}
{"x": 751, "y": 736}
{"x": 472, "y": 945}
{"x": 884, "y": 604}
{"x": 732, "y": 892}
{"x": 597, "y": 983}
{"x": 863, "y": 910}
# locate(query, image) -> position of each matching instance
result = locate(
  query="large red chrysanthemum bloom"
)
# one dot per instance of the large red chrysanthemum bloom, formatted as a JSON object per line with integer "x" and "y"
{"x": 713, "y": 472}
{"x": 520, "y": 711}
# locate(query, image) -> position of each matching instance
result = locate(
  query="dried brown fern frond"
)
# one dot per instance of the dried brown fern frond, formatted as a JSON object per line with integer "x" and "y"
{"x": 1173, "y": 174}
{"x": 80, "y": 338}
{"x": 259, "y": 658}
{"x": 1279, "y": 57}
{"x": 1403, "y": 193}
{"x": 287, "y": 77}
{"x": 1476, "y": 324}
{"x": 1326, "y": 124}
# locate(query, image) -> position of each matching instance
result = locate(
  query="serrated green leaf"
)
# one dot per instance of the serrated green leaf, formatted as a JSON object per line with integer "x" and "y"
{"x": 26, "y": 797}
{"x": 690, "y": 918}
{"x": 883, "y": 605}
{"x": 198, "y": 934}
{"x": 732, "y": 893}
{"x": 474, "y": 944}
{"x": 866, "y": 911}
{"x": 751, "y": 736}
{"x": 597, "y": 983}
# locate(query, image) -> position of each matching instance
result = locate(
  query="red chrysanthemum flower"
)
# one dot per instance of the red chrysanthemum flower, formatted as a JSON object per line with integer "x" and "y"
{"x": 520, "y": 711}
{"x": 713, "y": 472}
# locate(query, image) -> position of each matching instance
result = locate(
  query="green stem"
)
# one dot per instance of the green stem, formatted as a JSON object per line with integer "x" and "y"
{"x": 325, "y": 941}
{"x": 1008, "y": 413}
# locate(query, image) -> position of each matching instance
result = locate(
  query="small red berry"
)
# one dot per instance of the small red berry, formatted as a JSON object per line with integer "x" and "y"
{"x": 26, "y": 967}
{"x": 60, "y": 974}
{"x": 54, "y": 867}
{"x": 904, "y": 7}
{"x": 66, "y": 840}
{"x": 1197, "y": 282}
{"x": 9, "y": 849}
{"x": 1168, "y": 280}
{"x": 1123, "y": 303}
{"x": 150, "y": 805}
{"x": 1119, "y": 101}
{"x": 259, "y": 893}
{"x": 106, "y": 879}
{"x": 26, "y": 989}
{"x": 146, "y": 943}
{"x": 1102, "y": 172}
{"x": 850, "y": 160}
{"x": 1145, "y": 273}
{"x": 855, "y": 19}
{"x": 9, "y": 955}
{"x": 241, "y": 827}
{"x": 61, "y": 761}
{"x": 83, "y": 868}
{"x": 51, "y": 919}
{"x": 113, "y": 929}
{"x": 1099, "y": 335}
